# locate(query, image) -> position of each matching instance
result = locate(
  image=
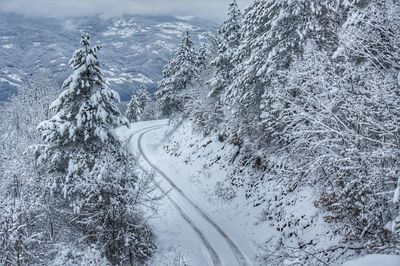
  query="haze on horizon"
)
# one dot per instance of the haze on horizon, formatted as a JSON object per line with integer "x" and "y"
{"x": 209, "y": 9}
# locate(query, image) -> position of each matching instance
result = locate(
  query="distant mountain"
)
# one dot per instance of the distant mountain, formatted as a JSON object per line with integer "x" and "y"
{"x": 135, "y": 48}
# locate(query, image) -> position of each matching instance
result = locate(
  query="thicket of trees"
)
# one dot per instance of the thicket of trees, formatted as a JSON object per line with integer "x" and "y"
{"x": 309, "y": 92}
{"x": 141, "y": 106}
{"x": 23, "y": 225}
{"x": 71, "y": 193}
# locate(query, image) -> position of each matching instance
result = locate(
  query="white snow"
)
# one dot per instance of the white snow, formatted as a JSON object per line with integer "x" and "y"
{"x": 165, "y": 46}
{"x": 137, "y": 47}
{"x": 174, "y": 234}
{"x": 127, "y": 77}
{"x": 185, "y": 17}
{"x": 174, "y": 229}
{"x": 178, "y": 26}
{"x": 375, "y": 260}
{"x": 9, "y": 82}
{"x": 123, "y": 28}
{"x": 15, "y": 77}
{"x": 117, "y": 44}
{"x": 7, "y": 46}
{"x": 143, "y": 79}
{"x": 173, "y": 32}
{"x": 196, "y": 173}
{"x": 396, "y": 196}
{"x": 115, "y": 80}
{"x": 6, "y": 37}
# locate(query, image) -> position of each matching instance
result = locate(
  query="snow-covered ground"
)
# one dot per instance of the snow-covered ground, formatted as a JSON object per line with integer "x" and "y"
{"x": 375, "y": 260}
{"x": 192, "y": 221}
{"x": 189, "y": 221}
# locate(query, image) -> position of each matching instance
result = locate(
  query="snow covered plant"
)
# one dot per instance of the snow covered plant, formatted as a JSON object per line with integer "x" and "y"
{"x": 396, "y": 200}
{"x": 137, "y": 108}
{"x": 90, "y": 176}
{"x": 308, "y": 93}
{"x": 23, "y": 232}
{"x": 229, "y": 40}
{"x": 178, "y": 75}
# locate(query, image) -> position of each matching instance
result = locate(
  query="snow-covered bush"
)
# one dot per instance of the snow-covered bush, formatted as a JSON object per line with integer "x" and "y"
{"x": 24, "y": 236}
{"x": 224, "y": 192}
{"x": 72, "y": 255}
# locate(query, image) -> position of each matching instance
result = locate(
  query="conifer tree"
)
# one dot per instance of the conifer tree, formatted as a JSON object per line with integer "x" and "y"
{"x": 229, "y": 37}
{"x": 133, "y": 112}
{"x": 202, "y": 57}
{"x": 178, "y": 75}
{"x": 273, "y": 35}
{"x": 91, "y": 176}
{"x": 137, "y": 105}
{"x": 143, "y": 97}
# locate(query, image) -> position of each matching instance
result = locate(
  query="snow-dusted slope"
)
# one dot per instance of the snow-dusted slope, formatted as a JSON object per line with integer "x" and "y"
{"x": 223, "y": 229}
{"x": 375, "y": 260}
{"x": 215, "y": 237}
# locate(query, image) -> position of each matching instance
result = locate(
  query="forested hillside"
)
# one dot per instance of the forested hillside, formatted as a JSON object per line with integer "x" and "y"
{"x": 274, "y": 140}
{"x": 307, "y": 93}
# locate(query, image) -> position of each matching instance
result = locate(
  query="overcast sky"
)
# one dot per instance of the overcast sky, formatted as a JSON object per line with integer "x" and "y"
{"x": 212, "y": 9}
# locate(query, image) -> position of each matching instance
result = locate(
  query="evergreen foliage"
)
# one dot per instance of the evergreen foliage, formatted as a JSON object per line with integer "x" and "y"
{"x": 137, "y": 107}
{"x": 92, "y": 180}
{"x": 308, "y": 92}
{"x": 178, "y": 75}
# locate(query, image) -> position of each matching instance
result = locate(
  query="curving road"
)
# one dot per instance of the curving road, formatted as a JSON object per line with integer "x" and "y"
{"x": 213, "y": 254}
{"x": 222, "y": 249}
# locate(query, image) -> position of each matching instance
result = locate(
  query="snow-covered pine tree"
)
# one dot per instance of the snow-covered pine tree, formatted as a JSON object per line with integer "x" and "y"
{"x": 178, "y": 75}
{"x": 202, "y": 57}
{"x": 143, "y": 96}
{"x": 273, "y": 35}
{"x": 229, "y": 39}
{"x": 91, "y": 179}
{"x": 133, "y": 111}
{"x": 137, "y": 105}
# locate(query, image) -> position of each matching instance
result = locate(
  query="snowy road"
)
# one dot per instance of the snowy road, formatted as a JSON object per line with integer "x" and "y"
{"x": 221, "y": 248}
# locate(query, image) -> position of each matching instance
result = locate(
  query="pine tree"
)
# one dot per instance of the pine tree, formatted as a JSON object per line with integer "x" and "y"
{"x": 273, "y": 35}
{"x": 137, "y": 106}
{"x": 91, "y": 176}
{"x": 202, "y": 57}
{"x": 229, "y": 39}
{"x": 133, "y": 111}
{"x": 178, "y": 75}
{"x": 143, "y": 97}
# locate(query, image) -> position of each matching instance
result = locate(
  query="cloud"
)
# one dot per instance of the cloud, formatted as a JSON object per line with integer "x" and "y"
{"x": 66, "y": 8}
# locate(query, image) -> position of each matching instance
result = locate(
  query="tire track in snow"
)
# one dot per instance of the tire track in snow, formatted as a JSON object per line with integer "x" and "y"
{"x": 241, "y": 259}
{"x": 213, "y": 254}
